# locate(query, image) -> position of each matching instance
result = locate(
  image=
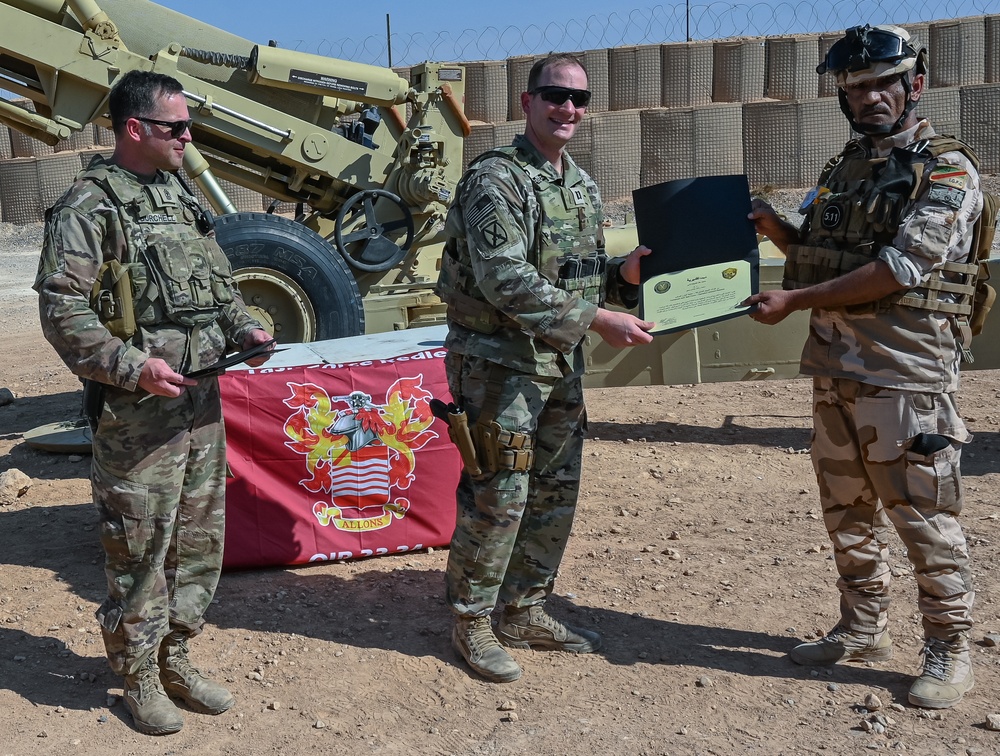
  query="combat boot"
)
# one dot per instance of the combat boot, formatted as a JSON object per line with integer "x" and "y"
{"x": 473, "y": 639}
{"x": 533, "y": 627}
{"x": 152, "y": 711}
{"x": 185, "y": 681}
{"x": 842, "y": 644}
{"x": 947, "y": 674}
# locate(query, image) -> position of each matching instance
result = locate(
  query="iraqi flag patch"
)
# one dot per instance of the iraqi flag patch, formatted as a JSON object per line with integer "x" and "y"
{"x": 950, "y": 175}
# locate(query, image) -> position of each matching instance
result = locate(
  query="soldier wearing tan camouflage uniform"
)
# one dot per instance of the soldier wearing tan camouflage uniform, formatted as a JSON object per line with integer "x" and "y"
{"x": 159, "y": 460}
{"x": 877, "y": 261}
{"x": 525, "y": 276}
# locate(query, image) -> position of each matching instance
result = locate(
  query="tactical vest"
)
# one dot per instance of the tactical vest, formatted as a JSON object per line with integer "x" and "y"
{"x": 177, "y": 272}
{"x": 566, "y": 246}
{"x": 857, "y": 211}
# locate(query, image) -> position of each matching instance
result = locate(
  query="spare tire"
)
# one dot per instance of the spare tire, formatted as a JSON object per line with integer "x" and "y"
{"x": 291, "y": 278}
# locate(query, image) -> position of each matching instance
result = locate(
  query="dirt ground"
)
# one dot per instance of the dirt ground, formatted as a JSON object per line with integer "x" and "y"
{"x": 699, "y": 553}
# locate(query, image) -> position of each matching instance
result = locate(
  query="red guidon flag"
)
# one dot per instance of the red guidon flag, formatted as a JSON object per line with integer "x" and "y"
{"x": 337, "y": 461}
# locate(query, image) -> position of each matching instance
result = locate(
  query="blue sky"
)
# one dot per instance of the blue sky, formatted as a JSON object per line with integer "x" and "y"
{"x": 449, "y": 30}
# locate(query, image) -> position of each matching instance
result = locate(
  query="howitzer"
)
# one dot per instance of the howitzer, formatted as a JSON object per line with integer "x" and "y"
{"x": 372, "y": 158}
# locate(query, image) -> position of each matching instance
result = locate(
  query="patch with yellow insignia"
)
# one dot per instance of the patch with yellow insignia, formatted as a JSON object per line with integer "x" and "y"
{"x": 950, "y": 175}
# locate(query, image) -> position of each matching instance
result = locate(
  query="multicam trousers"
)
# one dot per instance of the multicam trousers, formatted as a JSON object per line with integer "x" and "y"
{"x": 158, "y": 481}
{"x": 512, "y": 527}
{"x": 888, "y": 456}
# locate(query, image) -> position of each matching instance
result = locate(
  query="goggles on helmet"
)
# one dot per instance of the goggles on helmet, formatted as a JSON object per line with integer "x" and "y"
{"x": 864, "y": 46}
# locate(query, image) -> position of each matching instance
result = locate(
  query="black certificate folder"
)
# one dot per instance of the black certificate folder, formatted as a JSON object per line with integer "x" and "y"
{"x": 705, "y": 260}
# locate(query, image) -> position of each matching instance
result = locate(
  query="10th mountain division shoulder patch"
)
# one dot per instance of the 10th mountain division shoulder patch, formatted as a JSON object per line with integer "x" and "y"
{"x": 492, "y": 227}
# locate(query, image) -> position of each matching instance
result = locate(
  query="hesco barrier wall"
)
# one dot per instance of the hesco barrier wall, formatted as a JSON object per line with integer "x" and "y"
{"x": 749, "y": 105}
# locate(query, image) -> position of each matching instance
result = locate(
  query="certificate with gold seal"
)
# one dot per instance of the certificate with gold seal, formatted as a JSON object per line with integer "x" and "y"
{"x": 705, "y": 260}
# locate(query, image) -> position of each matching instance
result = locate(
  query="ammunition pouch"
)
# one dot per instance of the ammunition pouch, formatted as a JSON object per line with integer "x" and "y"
{"x": 586, "y": 277}
{"x": 982, "y": 303}
{"x": 111, "y": 299}
{"x": 504, "y": 449}
{"x": 192, "y": 276}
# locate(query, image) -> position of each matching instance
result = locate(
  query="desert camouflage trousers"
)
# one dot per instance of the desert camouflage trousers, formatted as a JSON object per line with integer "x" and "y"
{"x": 158, "y": 481}
{"x": 889, "y": 457}
{"x": 512, "y": 527}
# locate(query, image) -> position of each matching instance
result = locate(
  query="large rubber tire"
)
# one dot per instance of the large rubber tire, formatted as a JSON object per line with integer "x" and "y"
{"x": 291, "y": 277}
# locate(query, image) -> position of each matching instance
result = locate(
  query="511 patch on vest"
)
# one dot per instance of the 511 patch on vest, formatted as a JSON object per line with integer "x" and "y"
{"x": 832, "y": 216}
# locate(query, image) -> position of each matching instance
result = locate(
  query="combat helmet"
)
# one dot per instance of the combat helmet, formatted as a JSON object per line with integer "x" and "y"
{"x": 872, "y": 52}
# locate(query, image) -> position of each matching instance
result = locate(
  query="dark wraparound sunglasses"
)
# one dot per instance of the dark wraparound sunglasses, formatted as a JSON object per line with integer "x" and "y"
{"x": 559, "y": 95}
{"x": 176, "y": 127}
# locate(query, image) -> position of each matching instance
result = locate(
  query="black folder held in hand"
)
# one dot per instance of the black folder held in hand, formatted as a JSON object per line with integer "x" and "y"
{"x": 705, "y": 260}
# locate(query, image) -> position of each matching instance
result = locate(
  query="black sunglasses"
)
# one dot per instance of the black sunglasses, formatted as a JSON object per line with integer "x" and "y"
{"x": 559, "y": 95}
{"x": 176, "y": 127}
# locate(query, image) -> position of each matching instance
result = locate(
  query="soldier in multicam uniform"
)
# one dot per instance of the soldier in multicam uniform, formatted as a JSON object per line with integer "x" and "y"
{"x": 134, "y": 292}
{"x": 886, "y": 234}
{"x": 525, "y": 276}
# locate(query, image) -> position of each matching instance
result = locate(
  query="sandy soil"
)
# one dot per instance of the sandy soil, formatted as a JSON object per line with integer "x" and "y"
{"x": 698, "y": 552}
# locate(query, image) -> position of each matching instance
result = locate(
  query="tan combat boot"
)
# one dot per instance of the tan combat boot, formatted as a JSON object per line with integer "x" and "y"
{"x": 842, "y": 644}
{"x": 152, "y": 712}
{"x": 947, "y": 674}
{"x": 533, "y": 627}
{"x": 473, "y": 639}
{"x": 185, "y": 681}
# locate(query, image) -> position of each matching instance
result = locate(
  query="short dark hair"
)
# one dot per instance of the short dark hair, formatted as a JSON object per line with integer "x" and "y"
{"x": 136, "y": 93}
{"x": 550, "y": 61}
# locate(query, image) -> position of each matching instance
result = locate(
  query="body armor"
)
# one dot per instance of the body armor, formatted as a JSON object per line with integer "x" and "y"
{"x": 175, "y": 271}
{"x": 565, "y": 245}
{"x": 857, "y": 209}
